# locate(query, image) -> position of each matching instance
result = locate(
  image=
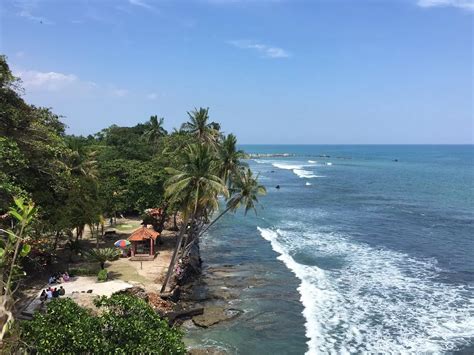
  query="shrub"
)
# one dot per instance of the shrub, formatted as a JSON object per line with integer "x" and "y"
{"x": 64, "y": 326}
{"x": 125, "y": 325}
{"x": 102, "y": 275}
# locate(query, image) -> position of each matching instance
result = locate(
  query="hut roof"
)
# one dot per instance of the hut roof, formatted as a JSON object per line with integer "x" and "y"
{"x": 143, "y": 233}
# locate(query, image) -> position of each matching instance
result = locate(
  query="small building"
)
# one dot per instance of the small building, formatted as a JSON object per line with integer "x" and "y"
{"x": 143, "y": 242}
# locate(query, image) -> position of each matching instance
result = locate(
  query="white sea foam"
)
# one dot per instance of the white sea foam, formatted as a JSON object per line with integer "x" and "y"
{"x": 287, "y": 166}
{"x": 298, "y": 169}
{"x": 376, "y": 300}
{"x": 312, "y": 161}
{"x": 308, "y": 184}
{"x": 329, "y": 163}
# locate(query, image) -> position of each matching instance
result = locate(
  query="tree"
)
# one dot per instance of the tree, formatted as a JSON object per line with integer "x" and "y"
{"x": 198, "y": 126}
{"x": 155, "y": 130}
{"x": 103, "y": 255}
{"x": 229, "y": 163}
{"x": 245, "y": 192}
{"x": 197, "y": 185}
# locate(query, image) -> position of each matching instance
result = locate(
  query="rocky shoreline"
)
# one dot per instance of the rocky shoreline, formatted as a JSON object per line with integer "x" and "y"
{"x": 190, "y": 302}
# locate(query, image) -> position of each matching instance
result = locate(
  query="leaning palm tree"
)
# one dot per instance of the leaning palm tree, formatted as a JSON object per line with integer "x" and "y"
{"x": 197, "y": 186}
{"x": 199, "y": 127}
{"x": 245, "y": 191}
{"x": 229, "y": 159}
{"x": 155, "y": 130}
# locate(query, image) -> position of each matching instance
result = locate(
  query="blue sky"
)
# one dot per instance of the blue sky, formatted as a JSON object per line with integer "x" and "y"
{"x": 294, "y": 71}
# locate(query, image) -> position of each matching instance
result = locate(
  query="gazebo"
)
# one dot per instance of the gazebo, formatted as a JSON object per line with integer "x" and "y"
{"x": 143, "y": 242}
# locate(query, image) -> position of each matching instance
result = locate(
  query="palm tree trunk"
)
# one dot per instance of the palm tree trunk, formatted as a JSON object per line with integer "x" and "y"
{"x": 175, "y": 254}
{"x": 214, "y": 221}
{"x": 175, "y": 227}
{"x": 192, "y": 220}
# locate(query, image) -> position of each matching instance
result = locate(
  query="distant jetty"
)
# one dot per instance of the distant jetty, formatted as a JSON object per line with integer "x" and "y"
{"x": 270, "y": 155}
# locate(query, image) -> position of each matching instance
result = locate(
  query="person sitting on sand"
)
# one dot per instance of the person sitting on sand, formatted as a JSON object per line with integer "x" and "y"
{"x": 66, "y": 277}
{"x": 55, "y": 293}
{"x": 61, "y": 291}
{"x": 49, "y": 293}
{"x": 52, "y": 280}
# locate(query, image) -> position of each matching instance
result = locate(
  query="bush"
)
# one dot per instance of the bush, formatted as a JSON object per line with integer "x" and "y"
{"x": 125, "y": 325}
{"x": 102, "y": 275}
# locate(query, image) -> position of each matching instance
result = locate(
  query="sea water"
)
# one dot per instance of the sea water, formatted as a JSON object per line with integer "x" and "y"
{"x": 362, "y": 249}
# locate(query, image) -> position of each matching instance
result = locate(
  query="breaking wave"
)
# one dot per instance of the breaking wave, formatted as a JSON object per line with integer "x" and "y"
{"x": 360, "y": 299}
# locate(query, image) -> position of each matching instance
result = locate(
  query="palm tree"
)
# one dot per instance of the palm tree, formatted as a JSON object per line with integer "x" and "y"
{"x": 103, "y": 255}
{"x": 229, "y": 159}
{"x": 155, "y": 130}
{"x": 197, "y": 186}
{"x": 245, "y": 191}
{"x": 199, "y": 127}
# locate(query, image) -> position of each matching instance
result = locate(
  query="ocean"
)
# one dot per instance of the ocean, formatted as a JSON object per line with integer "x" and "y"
{"x": 362, "y": 249}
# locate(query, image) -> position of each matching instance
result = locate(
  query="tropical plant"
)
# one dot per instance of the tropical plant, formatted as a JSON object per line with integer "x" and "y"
{"x": 13, "y": 246}
{"x": 102, "y": 275}
{"x": 155, "y": 130}
{"x": 245, "y": 191}
{"x": 197, "y": 186}
{"x": 199, "y": 127}
{"x": 229, "y": 163}
{"x": 103, "y": 255}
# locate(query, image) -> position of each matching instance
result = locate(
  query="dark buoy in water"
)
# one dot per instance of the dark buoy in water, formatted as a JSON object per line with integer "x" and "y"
{"x": 395, "y": 160}
{"x": 277, "y": 187}
{"x": 272, "y": 171}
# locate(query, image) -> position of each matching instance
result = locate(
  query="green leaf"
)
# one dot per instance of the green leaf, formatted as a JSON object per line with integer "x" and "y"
{"x": 25, "y": 249}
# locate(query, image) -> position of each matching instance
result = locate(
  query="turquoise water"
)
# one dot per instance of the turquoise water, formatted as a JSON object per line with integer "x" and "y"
{"x": 362, "y": 249}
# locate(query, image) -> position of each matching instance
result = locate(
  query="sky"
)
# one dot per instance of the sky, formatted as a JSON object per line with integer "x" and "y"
{"x": 270, "y": 71}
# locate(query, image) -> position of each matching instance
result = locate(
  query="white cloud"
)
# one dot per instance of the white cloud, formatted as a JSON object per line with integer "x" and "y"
{"x": 65, "y": 84}
{"x": 152, "y": 96}
{"x": 141, "y": 3}
{"x": 50, "y": 81}
{"x": 265, "y": 50}
{"x": 119, "y": 92}
{"x": 462, "y": 4}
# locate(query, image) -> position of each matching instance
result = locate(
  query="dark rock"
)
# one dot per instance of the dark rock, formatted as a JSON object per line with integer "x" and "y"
{"x": 215, "y": 314}
{"x": 277, "y": 187}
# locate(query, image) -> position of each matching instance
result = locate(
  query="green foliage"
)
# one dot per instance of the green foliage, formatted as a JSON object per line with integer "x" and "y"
{"x": 103, "y": 255}
{"x": 13, "y": 247}
{"x": 125, "y": 325}
{"x": 102, "y": 275}
{"x": 65, "y": 328}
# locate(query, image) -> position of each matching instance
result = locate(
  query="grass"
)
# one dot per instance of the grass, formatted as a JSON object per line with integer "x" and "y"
{"x": 125, "y": 272}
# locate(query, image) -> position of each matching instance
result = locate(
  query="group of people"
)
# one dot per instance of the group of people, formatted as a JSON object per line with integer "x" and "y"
{"x": 52, "y": 293}
{"x": 58, "y": 278}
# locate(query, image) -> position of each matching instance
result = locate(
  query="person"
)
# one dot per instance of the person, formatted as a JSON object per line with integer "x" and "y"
{"x": 43, "y": 296}
{"x": 66, "y": 277}
{"x": 52, "y": 280}
{"x": 61, "y": 291}
{"x": 55, "y": 293}
{"x": 49, "y": 294}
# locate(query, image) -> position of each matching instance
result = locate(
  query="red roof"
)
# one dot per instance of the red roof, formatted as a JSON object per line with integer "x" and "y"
{"x": 143, "y": 233}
